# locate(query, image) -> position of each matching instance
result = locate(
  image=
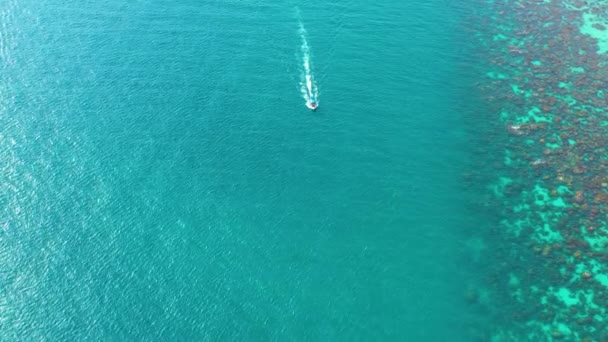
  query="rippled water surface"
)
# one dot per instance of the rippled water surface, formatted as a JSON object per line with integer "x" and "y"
{"x": 163, "y": 179}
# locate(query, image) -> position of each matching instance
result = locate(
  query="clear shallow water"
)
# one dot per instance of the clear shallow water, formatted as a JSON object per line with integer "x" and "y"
{"x": 163, "y": 179}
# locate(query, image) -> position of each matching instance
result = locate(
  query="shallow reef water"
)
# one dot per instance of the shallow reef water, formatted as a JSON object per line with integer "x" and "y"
{"x": 546, "y": 82}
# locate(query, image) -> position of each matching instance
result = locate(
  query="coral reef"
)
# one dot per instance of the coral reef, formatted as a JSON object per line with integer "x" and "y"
{"x": 548, "y": 86}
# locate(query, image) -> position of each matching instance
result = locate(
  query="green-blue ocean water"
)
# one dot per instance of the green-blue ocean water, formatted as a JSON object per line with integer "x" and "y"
{"x": 162, "y": 178}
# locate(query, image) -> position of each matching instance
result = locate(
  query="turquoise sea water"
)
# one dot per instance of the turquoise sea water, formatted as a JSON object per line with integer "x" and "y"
{"x": 162, "y": 178}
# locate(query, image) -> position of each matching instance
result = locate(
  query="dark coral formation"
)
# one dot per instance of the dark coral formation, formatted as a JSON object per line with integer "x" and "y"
{"x": 548, "y": 84}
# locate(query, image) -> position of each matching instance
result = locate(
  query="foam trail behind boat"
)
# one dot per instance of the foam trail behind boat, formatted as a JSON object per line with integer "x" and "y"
{"x": 308, "y": 87}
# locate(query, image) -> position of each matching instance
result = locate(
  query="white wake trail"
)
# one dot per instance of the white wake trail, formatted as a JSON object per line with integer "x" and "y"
{"x": 308, "y": 87}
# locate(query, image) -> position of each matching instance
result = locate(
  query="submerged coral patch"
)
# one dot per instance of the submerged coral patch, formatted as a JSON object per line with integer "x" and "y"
{"x": 546, "y": 83}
